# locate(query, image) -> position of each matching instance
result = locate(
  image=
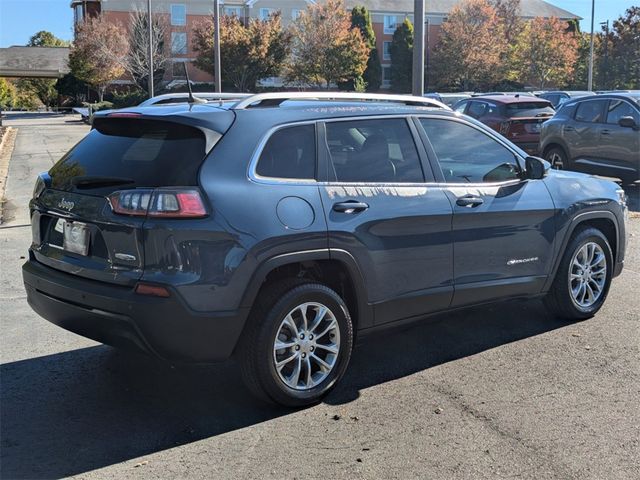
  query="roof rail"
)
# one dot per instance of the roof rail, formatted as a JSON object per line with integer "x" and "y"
{"x": 274, "y": 99}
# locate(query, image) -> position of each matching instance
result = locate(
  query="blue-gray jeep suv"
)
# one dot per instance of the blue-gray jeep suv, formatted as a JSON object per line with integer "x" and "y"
{"x": 276, "y": 227}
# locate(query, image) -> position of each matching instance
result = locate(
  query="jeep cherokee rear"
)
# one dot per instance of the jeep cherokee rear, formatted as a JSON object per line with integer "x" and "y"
{"x": 277, "y": 227}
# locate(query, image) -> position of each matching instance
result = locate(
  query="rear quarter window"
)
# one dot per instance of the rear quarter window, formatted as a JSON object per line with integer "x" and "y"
{"x": 289, "y": 153}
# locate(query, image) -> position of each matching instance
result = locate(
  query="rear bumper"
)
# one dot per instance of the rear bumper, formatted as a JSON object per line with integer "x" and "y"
{"x": 115, "y": 315}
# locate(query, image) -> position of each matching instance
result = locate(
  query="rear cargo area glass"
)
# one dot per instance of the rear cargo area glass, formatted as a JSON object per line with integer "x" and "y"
{"x": 132, "y": 153}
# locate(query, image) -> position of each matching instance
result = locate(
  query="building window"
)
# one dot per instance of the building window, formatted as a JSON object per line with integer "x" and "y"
{"x": 231, "y": 11}
{"x": 177, "y": 69}
{"x": 265, "y": 12}
{"x": 179, "y": 43}
{"x": 386, "y": 50}
{"x": 386, "y": 76}
{"x": 79, "y": 11}
{"x": 295, "y": 13}
{"x": 178, "y": 14}
{"x": 390, "y": 24}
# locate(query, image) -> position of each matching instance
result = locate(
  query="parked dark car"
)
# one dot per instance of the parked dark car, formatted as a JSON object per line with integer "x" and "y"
{"x": 449, "y": 99}
{"x": 598, "y": 134}
{"x": 277, "y": 228}
{"x": 517, "y": 117}
{"x": 557, "y": 98}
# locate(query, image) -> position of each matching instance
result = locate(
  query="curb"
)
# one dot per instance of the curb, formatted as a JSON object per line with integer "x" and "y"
{"x": 6, "y": 150}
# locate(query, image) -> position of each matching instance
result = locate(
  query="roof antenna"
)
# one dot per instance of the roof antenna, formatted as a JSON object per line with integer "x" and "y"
{"x": 192, "y": 99}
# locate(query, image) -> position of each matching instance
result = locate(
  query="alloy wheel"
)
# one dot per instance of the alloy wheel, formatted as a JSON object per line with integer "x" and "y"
{"x": 588, "y": 275}
{"x": 306, "y": 346}
{"x": 556, "y": 161}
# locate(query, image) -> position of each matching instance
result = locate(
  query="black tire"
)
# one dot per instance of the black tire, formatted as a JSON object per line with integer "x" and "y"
{"x": 560, "y": 301}
{"x": 557, "y": 158}
{"x": 256, "y": 353}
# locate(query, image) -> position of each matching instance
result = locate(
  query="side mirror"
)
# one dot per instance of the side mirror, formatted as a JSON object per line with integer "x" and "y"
{"x": 628, "y": 122}
{"x": 536, "y": 168}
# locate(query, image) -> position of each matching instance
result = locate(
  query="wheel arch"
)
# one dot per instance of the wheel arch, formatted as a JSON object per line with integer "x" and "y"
{"x": 555, "y": 144}
{"x": 603, "y": 220}
{"x": 335, "y": 268}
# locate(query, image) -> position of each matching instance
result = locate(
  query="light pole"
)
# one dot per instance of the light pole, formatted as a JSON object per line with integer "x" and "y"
{"x": 150, "y": 29}
{"x": 605, "y": 25}
{"x": 418, "y": 48}
{"x": 590, "y": 80}
{"x": 216, "y": 45}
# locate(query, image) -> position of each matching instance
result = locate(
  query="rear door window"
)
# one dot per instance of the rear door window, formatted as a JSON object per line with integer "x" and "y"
{"x": 467, "y": 155}
{"x": 290, "y": 153}
{"x": 132, "y": 152}
{"x": 380, "y": 151}
{"x": 591, "y": 111}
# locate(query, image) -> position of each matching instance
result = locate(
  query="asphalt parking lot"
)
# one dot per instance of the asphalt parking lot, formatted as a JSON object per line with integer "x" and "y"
{"x": 503, "y": 391}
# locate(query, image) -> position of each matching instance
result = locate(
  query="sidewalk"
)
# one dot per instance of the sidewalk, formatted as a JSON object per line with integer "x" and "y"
{"x": 36, "y": 150}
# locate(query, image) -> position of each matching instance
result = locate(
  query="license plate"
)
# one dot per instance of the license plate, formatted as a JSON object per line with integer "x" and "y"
{"x": 75, "y": 238}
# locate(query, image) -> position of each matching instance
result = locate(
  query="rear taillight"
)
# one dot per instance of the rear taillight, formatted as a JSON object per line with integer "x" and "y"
{"x": 161, "y": 202}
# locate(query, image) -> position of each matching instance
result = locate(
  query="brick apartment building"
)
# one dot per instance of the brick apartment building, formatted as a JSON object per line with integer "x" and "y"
{"x": 386, "y": 15}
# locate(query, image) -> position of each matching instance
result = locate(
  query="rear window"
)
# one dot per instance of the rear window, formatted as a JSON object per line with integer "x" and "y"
{"x": 132, "y": 152}
{"x": 526, "y": 109}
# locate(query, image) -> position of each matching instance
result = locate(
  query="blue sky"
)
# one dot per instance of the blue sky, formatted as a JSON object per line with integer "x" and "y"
{"x": 19, "y": 19}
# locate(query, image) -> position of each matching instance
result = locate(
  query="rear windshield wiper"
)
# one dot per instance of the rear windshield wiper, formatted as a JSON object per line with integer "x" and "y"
{"x": 98, "y": 181}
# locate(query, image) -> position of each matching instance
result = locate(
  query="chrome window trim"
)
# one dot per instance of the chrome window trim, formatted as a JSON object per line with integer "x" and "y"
{"x": 255, "y": 157}
{"x": 252, "y": 173}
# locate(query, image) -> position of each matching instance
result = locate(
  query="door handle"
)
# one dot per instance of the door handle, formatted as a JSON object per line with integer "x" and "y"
{"x": 350, "y": 206}
{"x": 469, "y": 201}
{"x": 606, "y": 132}
{"x": 569, "y": 129}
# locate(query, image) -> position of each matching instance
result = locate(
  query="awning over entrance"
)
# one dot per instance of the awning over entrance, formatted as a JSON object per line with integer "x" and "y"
{"x": 43, "y": 62}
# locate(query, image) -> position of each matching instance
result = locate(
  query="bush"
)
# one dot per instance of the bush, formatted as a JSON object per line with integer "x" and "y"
{"x": 129, "y": 98}
{"x": 96, "y": 107}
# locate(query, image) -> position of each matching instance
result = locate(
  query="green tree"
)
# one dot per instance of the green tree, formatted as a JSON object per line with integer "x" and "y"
{"x": 72, "y": 87}
{"x": 372, "y": 76}
{"x": 46, "y": 39}
{"x": 8, "y": 93}
{"x": 326, "y": 49}
{"x": 248, "y": 53}
{"x": 43, "y": 88}
{"x": 402, "y": 57}
{"x": 624, "y": 51}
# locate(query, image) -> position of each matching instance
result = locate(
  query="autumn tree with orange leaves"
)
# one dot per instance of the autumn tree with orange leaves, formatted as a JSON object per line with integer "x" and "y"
{"x": 546, "y": 52}
{"x": 248, "y": 53}
{"x": 472, "y": 47}
{"x": 98, "y": 53}
{"x": 326, "y": 48}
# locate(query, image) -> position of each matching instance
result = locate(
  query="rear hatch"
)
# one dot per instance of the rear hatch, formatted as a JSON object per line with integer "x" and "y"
{"x": 75, "y": 228}
{"x": 525, "y": 119}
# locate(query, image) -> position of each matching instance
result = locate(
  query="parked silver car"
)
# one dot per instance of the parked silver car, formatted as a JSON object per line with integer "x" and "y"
{"x": 596, "y": 134}
{"x": 557, "y": 98}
